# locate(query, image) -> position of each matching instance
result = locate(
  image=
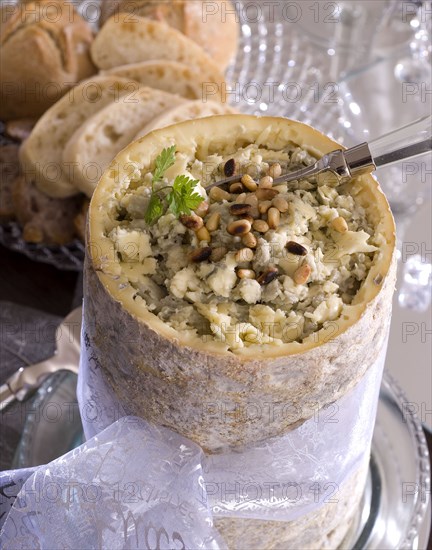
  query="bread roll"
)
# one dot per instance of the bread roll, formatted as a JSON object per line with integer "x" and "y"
{"x": 44, "y": 52}
{"x": 42, "y": 218}
{"x": 212, "y": 25}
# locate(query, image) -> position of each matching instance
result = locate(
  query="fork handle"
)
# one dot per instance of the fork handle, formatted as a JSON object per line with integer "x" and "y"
{"x": 407, "y": 142}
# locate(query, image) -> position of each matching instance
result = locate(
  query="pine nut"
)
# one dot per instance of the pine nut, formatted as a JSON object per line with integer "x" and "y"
{"x": 253, "y": 201}
{"x": 213, "y": 221}
{"x": 236, "y": 188}
{"x": 340, "y": 225}
{"x": 273, "y": 217}
{"x": 241, "y": 199}
{"x": 244, "y": 255}
{"x": 229, "y": 168}
{"x": 302, "y": 274}
{"x": 266, "y": 194}
{"x": 249, "y": 182}
{"x": 266, "y": 182}
{"x": 239, "y": 227}
{"x": 249, "y": 218}
{"x": 261, "y": 226}
{"x": 249, "y": 240}
{"x": 200, "y": 254}
{"x": 192, "y": 221}
{"x": 296, "y": 248}
{"x": 264, "y": 206}
{"x": 218, "y": 253}
{"x": 240, "y": 209}
{"x": 246, "y": 274}
{"x": 281, "y": 204}
{"x": 202, "y": 209}
{"x": 218, "y": 195}
{"x": 275, "y": 170}
{"x": 203, "y": 234}
{"x": 268, "y": 276}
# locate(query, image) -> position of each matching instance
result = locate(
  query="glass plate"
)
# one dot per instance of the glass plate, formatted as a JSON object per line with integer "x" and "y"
{"x": 68, "y": 257}
{"x": 277, "y": 72}
{"x": 393, "y": 512}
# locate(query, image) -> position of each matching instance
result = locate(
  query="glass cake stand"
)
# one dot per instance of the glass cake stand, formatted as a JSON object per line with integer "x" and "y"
{"x": 394, "y": 508}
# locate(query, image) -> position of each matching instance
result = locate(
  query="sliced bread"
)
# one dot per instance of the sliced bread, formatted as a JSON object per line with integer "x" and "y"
{"x": 97, "y": 141}
{"x": 191, "y": 110}
{"x": 131, "y": 39}
{"x": 173, "y": 77}
{"x": 199, "y": 20}
{"x": 41, "y": 153}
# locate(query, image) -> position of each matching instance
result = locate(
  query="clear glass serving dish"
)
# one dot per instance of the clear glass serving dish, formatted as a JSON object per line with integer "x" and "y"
{"x": 394, "y": 509}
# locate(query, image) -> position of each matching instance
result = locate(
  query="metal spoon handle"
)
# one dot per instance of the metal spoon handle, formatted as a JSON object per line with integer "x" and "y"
{"x": 404, "y": 143}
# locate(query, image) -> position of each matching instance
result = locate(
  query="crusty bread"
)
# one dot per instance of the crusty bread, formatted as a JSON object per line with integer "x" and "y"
{"x": 172, "y": 77}
{"x": 80, "y": 220}
{"x": 96, "y": 142}
{"x": 41, "y": 153}
{"x": 131, "y": 39}
{"x": 44, "y": 52}
{"x": 9, "y": 170}
{"x": 44, "y": 219}
{"x": 212, "y": 25}
{"x": 188, "y": 111}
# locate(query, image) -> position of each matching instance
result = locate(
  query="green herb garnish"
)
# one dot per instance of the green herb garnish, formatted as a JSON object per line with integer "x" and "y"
{"x": 181, "y": 199}
{"x": 164, "y": 161}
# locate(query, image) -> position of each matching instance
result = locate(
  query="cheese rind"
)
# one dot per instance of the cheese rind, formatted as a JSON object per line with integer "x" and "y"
{"x": 195, "y": 384}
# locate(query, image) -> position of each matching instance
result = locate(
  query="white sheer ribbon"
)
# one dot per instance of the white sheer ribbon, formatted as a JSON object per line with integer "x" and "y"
{"x": 282, "y": 478}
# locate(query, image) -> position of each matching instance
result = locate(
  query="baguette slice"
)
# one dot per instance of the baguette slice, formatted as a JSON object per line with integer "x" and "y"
{"x": 199, "y": 20}
{"x": 133, "y": 39}
{"x": 97, "y": 141}
{"x": 41, "y": 153}
{"x": 173, "y": 77}
{"x": 188, "y": 111}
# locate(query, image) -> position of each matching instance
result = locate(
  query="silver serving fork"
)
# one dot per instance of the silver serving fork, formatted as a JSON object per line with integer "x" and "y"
{"x": 407, "y": 142}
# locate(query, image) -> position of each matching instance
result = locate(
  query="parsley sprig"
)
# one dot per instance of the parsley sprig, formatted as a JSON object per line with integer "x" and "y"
{"x": 181, "y": 198}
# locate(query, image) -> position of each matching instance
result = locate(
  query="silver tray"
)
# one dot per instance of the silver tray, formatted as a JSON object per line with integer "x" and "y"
{"x": 393, "y": 514}
{"x": 277, "y": 72}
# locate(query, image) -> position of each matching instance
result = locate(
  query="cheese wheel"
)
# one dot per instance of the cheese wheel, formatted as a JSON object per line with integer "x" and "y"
{"x": 195, "y": 383}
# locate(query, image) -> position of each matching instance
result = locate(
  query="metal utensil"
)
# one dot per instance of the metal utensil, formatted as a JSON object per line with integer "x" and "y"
{"x": 27, "y": 379}
{"x": 407, "y": 142}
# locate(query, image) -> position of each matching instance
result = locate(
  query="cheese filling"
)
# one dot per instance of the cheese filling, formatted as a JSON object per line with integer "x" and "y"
{"x": 257, "y": 263}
